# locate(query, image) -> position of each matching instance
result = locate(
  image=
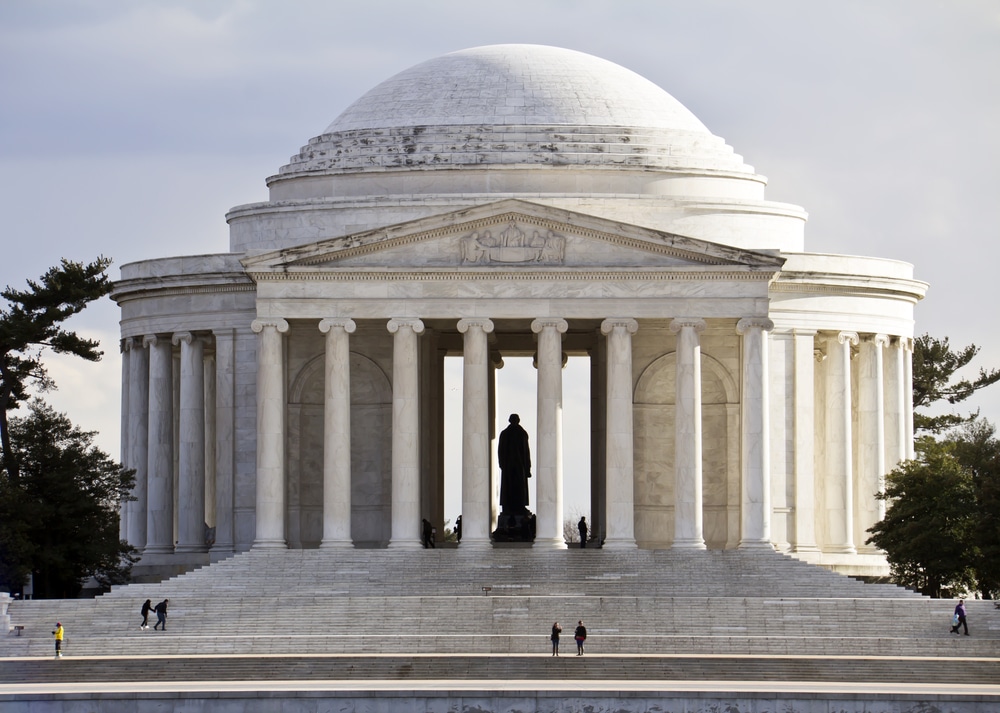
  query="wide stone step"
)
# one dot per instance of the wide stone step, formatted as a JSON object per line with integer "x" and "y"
{"x": 508, "y": 668}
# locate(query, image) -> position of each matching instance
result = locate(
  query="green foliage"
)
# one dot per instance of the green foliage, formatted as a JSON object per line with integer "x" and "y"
{"x": 929, "y": 522}
{"x": 934, "y": 366}
{"x": 31, "y": 323}
{"x": 60, "y": 520}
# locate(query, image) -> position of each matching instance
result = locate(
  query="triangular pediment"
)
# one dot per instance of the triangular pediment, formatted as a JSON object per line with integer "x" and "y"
{"x": 511, "y": 235}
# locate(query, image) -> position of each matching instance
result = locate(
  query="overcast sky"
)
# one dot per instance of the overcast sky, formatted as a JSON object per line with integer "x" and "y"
{"x": 129, "y": 127}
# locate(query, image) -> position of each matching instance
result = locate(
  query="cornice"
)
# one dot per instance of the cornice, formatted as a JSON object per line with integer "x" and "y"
{"x": 495, "y": 275}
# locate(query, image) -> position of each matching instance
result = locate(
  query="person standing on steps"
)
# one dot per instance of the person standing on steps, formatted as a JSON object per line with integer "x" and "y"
{"x": 580, "y": 635}
{"x": 161, "y": 615}
{"x": 960, "y": 618}
{"x": 58, "y": 634}
{"x": 556, "y": 630}
{"x": 147, "y": 607}
{"x": 582, "y": 527}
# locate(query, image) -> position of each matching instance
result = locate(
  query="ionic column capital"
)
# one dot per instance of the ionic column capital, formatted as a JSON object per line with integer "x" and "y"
{"x": 748, "y": 323}
{"x": 626, "y": 323}
{"x": 345, "y": 323}
{"x": 483, "y": 322}
{"x": 557, "y": 323}
{"x": 413, "y": 323}
{"x": 880, "y": 340}
{"x": 695, "y": 323}
{"x": 279, "y": 324}
{"x": 847, "y": 338}
{"x": 150, "y": 340}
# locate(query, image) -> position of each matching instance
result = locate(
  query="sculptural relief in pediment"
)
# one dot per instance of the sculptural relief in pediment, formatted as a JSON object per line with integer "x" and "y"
{"x": 512, "y": 245}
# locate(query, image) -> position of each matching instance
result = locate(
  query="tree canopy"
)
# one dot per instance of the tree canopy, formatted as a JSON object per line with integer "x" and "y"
{"x": 60, "y": 520}
{"x": 935, "y": 364}
{"x": 31, "y": 323}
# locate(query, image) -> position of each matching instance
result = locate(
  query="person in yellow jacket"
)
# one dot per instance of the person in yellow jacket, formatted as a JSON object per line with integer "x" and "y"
{"x": 58, "y": 633}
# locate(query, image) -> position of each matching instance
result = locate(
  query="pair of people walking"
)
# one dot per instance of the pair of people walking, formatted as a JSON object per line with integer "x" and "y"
{"x": 579, "y": 635}
{"x": 161, "y": 614}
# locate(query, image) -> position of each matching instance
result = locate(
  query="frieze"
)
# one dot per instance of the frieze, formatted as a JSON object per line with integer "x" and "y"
{"x": 512, "y": 246}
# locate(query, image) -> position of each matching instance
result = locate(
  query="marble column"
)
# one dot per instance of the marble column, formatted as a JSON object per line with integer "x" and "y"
{"x": 476, "y": 414}
{"x": 337, "y": 434}
{"x": 210, "y": 442}
{"x": 804, "y": 425}
{"x": 225, "y": 433}
{"x": 620, "y": 511}
{"x": 688, "y": 517}
{"x": 123, "y": 437}
{"x": 871, "y": 437}
{"x": 160, "y": 469}
{"x": 405, "y": 435}
{"x": 908, "y": 397}
{"x": 839, "y": 448}
{"x": 270, "y": 434}
{"x": 138, "y": 439}
{"x": 755, "y": 523}
{"x": 191, "y": 453}
{"x": 549, "y": 455}
{"x": 896, "y": 390}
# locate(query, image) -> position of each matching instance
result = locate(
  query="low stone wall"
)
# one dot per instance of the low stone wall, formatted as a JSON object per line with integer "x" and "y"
{"x": 479, "y": 701}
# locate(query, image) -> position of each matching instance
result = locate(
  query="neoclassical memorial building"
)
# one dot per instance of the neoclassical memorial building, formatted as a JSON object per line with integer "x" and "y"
{"x": 510, "y": 201}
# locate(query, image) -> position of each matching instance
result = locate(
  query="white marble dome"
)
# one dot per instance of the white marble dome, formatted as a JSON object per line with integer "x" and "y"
{"x": 517, "y": 84}
{"x": 515, "y": 105}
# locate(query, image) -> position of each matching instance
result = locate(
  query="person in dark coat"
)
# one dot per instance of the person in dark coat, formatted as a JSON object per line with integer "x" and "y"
{"x": 514, "y": 457}
{"x": 582, "y": 527}
{"x": 556, "y": 630}
{"x": 147, "y": 606}
{"x": 161, "y": 615}
{"x": 960, "y": 613}
{"x": 580, "y": 635}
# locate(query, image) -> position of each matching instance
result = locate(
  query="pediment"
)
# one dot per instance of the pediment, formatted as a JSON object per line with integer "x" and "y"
{"x": 510, "y": 235}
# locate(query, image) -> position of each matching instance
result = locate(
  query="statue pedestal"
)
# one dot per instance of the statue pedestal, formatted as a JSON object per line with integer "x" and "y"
{"x": 515, "y": 527}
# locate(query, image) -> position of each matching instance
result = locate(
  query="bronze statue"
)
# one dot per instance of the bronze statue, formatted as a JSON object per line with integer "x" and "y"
{"x": 515, "y": 468}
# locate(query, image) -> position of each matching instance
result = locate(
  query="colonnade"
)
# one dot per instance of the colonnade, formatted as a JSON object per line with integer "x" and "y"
{"x": 180, "y": 434}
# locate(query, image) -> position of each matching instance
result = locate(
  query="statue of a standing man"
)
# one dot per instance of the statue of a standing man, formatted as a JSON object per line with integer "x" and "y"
{"x": 515, "y": 467}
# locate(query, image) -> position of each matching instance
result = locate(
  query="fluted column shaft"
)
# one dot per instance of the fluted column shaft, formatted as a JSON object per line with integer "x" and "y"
{"x": 620, "y": 518}
{"x": 804, "y": 424}
{"x": 160, "y": 494}
{"x": 871, "y": 436}
{"x": 191, "y": 452}
{"x": 548, "y": 469}
{"x": 270, "y": 434}
{"x": 123, "y": 430}
{"x": 895, "y": 403}
{"x": 839, "y": 450}
{"x": 755, "y": 520}
{"x": 688, "y": 517}
{"x": 225, "y": 434}
{"x": 138, "y": 440}
{"x": 337, "y": 434}
{"x": 475, "y": 433}
{"x": 405, "y": 434}
{"x": 908, "y": 397}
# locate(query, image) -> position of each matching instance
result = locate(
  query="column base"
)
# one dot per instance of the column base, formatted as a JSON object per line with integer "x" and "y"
{"x": 549, "y": 543}
{"x": 269, "y": 545}
{"x": 619, "y": 544}
{"x": 467, "y": 543}
{"x": 158, "y": 550}
{"x": 404, "y": 545}
{"x": 336, "y": 545}
{"x": 190, "y": 549}
{"x": 687, "y": 544}
{"x": 841, "y": 550}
